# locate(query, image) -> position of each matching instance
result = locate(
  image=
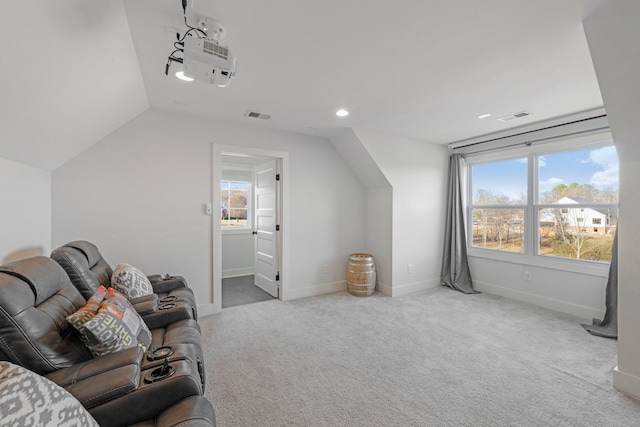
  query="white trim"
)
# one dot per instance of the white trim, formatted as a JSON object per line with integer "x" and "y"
{"x": 410, "y": 288}
{"x": 579, "y": 142}
{"x": 384, "y": 289}
{"x": 238, "y": 272}
{"x": 246, "y": 228}
{"x": 549, "y": 303}
{"x": 206, "y": 310}
{"x": 218, "y": 151}
{"x": 311, "y": 291}
{"x": 626, "y": 383}
{"x": 591, "y": 268}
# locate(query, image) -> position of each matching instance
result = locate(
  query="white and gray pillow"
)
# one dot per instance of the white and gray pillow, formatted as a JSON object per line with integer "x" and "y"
{"x": 28, "y": 399}
{"x": 130, "y": 281}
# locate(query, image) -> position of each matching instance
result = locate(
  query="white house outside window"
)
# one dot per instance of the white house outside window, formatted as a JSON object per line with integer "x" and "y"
{"x": 553, "y": 201}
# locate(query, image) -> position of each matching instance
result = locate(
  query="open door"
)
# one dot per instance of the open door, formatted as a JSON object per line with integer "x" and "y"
{"x": 266, "y": 253}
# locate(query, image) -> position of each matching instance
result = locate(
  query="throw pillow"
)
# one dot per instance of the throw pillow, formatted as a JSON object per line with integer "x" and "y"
{"x": 27, "y": 399}
{"x": 130, "y": 281}
{"x": 86, "y": 313}
{"x": 117, "y": 326}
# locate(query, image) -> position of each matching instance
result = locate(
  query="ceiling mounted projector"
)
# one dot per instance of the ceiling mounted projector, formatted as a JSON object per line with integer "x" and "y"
{"x": 203, "y": 58}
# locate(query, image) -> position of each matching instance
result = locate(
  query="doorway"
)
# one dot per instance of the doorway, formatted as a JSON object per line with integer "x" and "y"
{"x": 249, "y": 238}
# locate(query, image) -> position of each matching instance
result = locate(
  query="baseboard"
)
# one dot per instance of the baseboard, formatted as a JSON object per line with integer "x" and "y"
{"x": 541, "y": 301}
{"x": 384, "y": 289}
{"x": 238, "y": 272}
{"x": 626, "y": 383}
{"x": 310, "y": 291}
{"x": 205, "y": 310}
{"x": 410, "y": 288}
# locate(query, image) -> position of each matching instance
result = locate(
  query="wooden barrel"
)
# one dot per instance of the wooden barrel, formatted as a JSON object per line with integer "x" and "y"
{"x": 361, "y": 275}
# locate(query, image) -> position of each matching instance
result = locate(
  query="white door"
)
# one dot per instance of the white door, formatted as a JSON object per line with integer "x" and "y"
{"x": 266, "y": 184}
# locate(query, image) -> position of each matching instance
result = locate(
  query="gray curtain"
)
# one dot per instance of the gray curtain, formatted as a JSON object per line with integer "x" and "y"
{"x": 608, "y": 327}
{"x": 455, "y": 267}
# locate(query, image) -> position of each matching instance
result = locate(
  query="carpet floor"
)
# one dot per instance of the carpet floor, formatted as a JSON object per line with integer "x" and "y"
{"x": 434, "y": 358}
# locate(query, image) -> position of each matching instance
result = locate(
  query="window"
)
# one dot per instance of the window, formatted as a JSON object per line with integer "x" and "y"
{"x": 235, "y": 212}
{"x": 499, "y": 204}
{"x": 547, "y": 201}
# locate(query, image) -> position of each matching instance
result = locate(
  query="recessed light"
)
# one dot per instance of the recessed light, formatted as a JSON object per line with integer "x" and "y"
{"x": 181, "y": 76}
{"x": 342, "y": 113}
{"x": 484, "y": 116}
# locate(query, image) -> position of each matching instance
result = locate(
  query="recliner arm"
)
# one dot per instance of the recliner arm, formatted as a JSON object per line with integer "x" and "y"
{"x": 100, "y": 380}
{"x": 144, "y": 305}
{"x": 166, "y": 285}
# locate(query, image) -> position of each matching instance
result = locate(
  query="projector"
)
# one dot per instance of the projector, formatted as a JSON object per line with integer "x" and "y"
{"x": 207, "y": 61}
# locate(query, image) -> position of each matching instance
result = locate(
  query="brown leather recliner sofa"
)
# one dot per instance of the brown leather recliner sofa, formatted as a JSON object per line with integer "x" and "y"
{"x": 124, "y": 388}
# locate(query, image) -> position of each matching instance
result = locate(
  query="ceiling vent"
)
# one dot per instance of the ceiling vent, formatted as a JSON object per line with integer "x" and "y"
{"x": 514, "y": 116}
{"x": 257, "y": 115}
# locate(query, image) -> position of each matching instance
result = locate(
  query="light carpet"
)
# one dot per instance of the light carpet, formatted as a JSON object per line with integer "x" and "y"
{"x": 434, "y": 358}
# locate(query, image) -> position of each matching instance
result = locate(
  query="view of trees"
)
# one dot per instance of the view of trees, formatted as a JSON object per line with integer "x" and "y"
{"x": 234, "y": 203}
{"x": 237, "y": 205}
{"x": 579, "y": 192}
{"x": 580, "y": 233}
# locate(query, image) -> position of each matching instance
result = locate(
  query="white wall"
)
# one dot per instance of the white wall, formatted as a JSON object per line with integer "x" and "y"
{"x": 379, "y": 234}
{"x": 379, "y": 204}
{"x": 417, "y": 172}
{"x": 139, "y": 194}
{"x": 25, "y": 211}
{"x": 580, "y": 294}
{"x": 613, "y": 36}
{"x": 238, "y": 255}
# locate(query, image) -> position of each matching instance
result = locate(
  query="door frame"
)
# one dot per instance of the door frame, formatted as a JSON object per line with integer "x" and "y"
{"x": 218, "y": 151}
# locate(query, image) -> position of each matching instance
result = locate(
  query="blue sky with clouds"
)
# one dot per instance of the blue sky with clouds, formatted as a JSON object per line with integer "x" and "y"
{"x": 597, "y": 167}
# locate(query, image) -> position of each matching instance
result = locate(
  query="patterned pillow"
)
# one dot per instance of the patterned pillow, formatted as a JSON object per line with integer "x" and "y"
{"x": 86, "y": 313}
{"x": 26, "y": 398}
{"x": 117, "y": 326}
{"x": 130, "y": 281}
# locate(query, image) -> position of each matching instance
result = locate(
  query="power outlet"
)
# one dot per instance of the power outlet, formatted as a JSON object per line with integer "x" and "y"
{"x": 325, "y": 269}
{"x": 410, "y": 269}
{"x": 527, "y": 275}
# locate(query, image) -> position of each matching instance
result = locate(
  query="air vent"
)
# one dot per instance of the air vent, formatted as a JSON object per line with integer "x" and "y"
{"x": 215, "y": 49}
{"x": 256, "y": 115}
{"x": 514, "y": 116}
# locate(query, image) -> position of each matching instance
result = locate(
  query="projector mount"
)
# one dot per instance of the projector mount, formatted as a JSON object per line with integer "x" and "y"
{"x": 201, "y": 54}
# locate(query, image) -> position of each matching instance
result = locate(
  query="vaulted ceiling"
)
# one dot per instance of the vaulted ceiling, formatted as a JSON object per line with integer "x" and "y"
{"x": 75, "y": 70}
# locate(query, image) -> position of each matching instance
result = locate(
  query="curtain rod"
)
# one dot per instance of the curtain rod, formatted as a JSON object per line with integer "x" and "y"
{"x": 535, "y": 136}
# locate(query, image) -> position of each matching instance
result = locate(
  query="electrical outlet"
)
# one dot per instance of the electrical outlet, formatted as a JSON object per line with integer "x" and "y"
{"x": 410, "y": 269}
{"x": 325, "y": 269}
{"x": 527, "y": 275}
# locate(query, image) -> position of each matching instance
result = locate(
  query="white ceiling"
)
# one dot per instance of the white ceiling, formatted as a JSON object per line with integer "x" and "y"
{"x": 69, "y": 77}
{"x": 422, "y": 69}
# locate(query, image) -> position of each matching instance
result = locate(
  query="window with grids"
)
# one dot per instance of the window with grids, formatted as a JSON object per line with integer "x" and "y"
{"x": 234, "y": 209}
{"x": 545, "y": 202}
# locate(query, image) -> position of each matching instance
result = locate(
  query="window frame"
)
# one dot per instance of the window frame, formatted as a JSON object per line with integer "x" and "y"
{"x": 240, "y": 229}
{"x": 531, "y": 255}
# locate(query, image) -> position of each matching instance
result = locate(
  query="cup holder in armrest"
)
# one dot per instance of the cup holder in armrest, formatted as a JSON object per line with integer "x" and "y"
{"x": 168, "y": 298}
{"x": 159, "y": 353}
{"x": 167, "y": 306}
{"x": 160, "y": 373}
